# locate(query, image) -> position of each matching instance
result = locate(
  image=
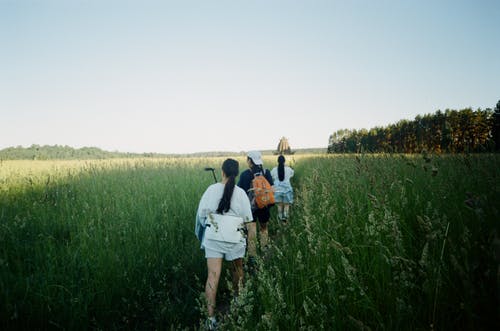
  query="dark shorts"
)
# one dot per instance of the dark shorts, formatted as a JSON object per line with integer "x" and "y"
{"x": 262, "y": 215}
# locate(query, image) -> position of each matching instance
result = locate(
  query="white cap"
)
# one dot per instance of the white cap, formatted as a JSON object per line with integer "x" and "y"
{"x": 256, "y": 157}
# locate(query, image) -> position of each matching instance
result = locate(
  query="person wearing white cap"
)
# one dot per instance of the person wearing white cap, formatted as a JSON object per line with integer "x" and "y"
{"x": 255, "y": 165}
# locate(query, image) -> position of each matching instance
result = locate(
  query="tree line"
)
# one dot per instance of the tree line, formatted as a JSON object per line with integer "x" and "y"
{"x": 451, "y": 131}
{"x": 46, "y": 152}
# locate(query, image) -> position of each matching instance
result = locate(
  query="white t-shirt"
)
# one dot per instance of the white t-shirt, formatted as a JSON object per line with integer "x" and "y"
{"x": 282, "y": 185}
{"x": 240, "y": 204}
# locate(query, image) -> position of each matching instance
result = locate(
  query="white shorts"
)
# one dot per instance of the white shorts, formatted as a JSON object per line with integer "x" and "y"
{"x": 220, "y": 249}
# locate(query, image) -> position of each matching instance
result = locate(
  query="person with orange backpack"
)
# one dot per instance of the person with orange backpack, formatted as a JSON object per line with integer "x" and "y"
{"x": 257, "y": 182}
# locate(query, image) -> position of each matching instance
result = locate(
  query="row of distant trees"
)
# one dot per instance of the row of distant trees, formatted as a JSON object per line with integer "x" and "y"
{"x": 60, "y": 152}
{"x": 452, "y": 131}
{"x": 37, "y": 152}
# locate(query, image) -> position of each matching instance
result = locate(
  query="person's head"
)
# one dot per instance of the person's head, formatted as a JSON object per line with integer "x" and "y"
{"x": 230, "y": 169}
{"x": 281, "y": 167}
{"x": 254, "y": 160}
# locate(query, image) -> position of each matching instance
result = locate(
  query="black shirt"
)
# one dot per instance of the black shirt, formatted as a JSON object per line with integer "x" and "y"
{"x": 246, "y": 177}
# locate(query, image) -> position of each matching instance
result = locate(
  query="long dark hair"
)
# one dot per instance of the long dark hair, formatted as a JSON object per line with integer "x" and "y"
{"x": 230, "y": 167}
{"x": 281, "y": 167}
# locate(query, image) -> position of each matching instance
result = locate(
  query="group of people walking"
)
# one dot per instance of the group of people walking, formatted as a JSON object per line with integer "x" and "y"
{"x": 234, "y": 200}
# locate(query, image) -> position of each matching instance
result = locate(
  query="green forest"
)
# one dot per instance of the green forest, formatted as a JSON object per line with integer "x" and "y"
{"x": 451, "y": 131}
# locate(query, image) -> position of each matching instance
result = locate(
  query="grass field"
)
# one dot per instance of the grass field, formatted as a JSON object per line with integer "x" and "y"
{"x": 374, "y": 243}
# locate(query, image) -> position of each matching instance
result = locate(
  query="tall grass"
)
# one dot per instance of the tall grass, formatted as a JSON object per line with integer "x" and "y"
{"x": 107, "y": 245}
{"x": 374, "y": 242}
{"x": 387, "y": 243}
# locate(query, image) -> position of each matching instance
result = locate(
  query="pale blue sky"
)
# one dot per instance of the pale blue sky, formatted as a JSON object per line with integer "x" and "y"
{"x": 187, "y": 76}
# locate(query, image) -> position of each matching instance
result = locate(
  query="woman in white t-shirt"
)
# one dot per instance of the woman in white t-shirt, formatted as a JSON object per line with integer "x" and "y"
{"x": 227, "y": 199}
{"x": 283, "y": 190}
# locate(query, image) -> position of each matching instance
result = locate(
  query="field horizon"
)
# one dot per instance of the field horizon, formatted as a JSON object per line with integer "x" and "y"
{"x": 62, "y": 152}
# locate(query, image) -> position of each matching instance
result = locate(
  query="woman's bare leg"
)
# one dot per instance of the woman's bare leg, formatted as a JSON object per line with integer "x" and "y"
{"x": 237, "y": 275}
{"x": 280, "y": 211}
{"x": 264, "y": 236}
{"x": 286, "y": 210}
{"x": 252, "y": 239}
{"x": 214, "y": 266}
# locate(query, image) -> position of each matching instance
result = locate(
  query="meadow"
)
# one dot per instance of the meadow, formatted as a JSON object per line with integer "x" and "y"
{"x": 375, "y": 242}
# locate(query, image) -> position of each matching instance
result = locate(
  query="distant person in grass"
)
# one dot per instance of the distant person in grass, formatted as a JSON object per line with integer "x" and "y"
{"x": 283, "y": 190}
{"x": 222, "y": 198}
{"x": 256, "y": 166}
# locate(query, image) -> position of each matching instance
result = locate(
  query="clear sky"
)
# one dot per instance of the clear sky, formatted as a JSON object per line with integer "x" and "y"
{"x": 188, "y": 76}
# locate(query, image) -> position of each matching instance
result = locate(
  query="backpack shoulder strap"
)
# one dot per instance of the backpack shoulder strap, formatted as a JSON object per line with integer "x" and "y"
{"x": 258, "y": 173}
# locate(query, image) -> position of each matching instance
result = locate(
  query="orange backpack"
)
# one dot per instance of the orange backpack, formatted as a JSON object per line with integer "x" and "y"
{"x": 262, "y": 192}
